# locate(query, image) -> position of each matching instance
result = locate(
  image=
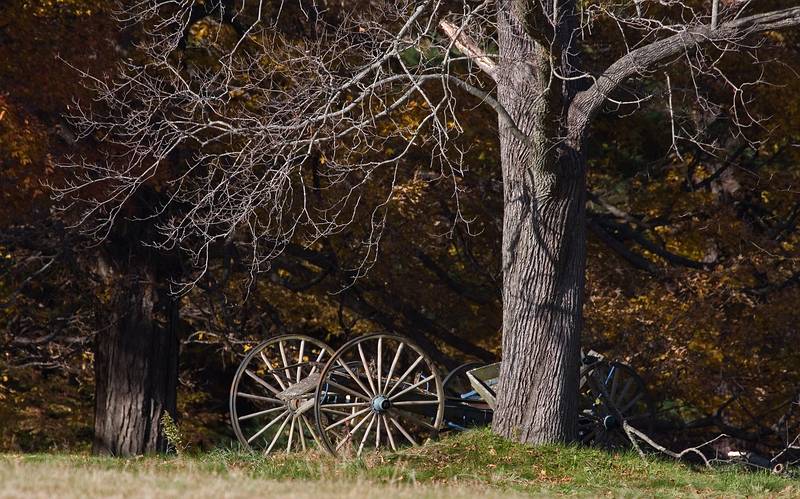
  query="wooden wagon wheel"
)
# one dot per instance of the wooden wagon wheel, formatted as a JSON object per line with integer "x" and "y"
{"x": 612, "y": 393}
{"x": 272, "y": 393}
{"x": 378, "y": 391}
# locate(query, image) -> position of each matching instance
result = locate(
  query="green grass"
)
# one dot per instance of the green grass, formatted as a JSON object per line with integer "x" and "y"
{"x": 467, "y": 464}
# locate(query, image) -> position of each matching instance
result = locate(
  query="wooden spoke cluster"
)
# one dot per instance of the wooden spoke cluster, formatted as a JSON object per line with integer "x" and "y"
{"x": 376, "y": 391}
{"x": 272, "y": 394}
{"x": 611, "y": 393}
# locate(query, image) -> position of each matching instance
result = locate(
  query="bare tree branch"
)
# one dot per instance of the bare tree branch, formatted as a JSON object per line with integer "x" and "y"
{"x": 469, "y": 47}
{"x": 639, "y": 60}
{"x": 242, "y": 127}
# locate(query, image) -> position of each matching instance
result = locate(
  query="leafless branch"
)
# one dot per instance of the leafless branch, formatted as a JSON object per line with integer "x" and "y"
{"x": 224, "y": 111}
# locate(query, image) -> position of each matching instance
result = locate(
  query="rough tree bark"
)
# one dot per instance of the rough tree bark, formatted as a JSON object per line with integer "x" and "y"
{"x": 544, "y": 245}
{"x": 136, "y": 367}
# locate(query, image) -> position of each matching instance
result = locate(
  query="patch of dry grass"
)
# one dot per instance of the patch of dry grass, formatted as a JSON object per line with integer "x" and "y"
{"x": 26, "y": 478}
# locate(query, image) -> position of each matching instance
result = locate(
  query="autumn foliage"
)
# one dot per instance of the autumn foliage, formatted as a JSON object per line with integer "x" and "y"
{"x": 693, "y": 272}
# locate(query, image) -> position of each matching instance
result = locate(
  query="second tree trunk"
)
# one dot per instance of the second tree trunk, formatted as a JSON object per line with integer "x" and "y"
{"x": 136, "y": 368}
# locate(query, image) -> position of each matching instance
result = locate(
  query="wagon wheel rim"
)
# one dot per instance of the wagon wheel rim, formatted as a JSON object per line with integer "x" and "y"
{"x": 378, "y": 391}
{"x": 612, "y": 394}
{"x": 456, "y": 383}
{"x": 262, "y": 417}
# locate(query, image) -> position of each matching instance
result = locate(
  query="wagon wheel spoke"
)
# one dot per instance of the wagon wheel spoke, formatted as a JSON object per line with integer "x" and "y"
{"x": 380, "y": 362}
{"x": 310, "y": 429}
{"x": 261, "y": 382}
{"x": 405, "y": 375}
{"x": 394, "y": 364}
{"x": 372, "y": 392}
{"x": 623, "y": 394}
{"x": 388, "y": 432}
{"x": 403, "y": 431}
{"x": 272, "y": 371}
{"x": 317, "y": 362}
{"x": 334, "y": 411}
{"x": 278, "y": 434}
{"x": 353, "y": 376}
{"x": 259, "y": 413}
{"x": 346, "y": 405}
{"x": 378, "y": 431}
{"x": 589, "y": 437}
{"x": 347, "y": 390}
{"x": 614, "y": 382}
{"x": 412, "y": 387}
{"x": 632, "y": 391}
{"x": 266, "y": 427}
{"x": 284, "y": 360}
{"x": 415, "y": 402}
{"x": 291, "y": 435}
{"x": 630, "y": 404}
{"x": 638, "y": 417}
{"x": 348, "y": 418}
{"x": 366, "y": 434}
{"x": 349, "y": 435}
{"x": 411, "y": 417}
{"x": 300, "y": 359}
{"x": 593, "y": 418}
{"x": 301, "y": 432}
{"x": 258, "y": 397}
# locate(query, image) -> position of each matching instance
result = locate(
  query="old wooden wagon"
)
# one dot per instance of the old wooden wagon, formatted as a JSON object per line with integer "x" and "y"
{"x": 382, "y": 391}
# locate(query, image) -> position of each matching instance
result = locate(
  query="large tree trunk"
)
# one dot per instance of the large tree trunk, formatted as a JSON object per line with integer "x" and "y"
{"x": 544, "y": 248}
{"x": 136, "y": 368}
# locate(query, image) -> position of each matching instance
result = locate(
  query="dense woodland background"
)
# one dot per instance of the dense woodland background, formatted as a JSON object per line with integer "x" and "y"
{"x": 693, "y": 273}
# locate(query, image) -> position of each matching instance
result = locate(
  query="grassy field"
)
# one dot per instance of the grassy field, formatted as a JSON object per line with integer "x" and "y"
{"x": 466, "y": 465}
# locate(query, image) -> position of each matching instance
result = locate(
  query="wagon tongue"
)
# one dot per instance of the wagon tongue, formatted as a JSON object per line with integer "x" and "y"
{"x": 301, "y": 388}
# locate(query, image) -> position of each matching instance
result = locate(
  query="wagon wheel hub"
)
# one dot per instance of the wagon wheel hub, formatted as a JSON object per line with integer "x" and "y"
{"x": 610, "y": 423}
{"x": 381, "y": 404}
{"x": 294, "y": 404}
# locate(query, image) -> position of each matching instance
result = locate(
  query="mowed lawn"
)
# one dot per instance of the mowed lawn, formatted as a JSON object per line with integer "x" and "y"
{"x": 473, "y": 464}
